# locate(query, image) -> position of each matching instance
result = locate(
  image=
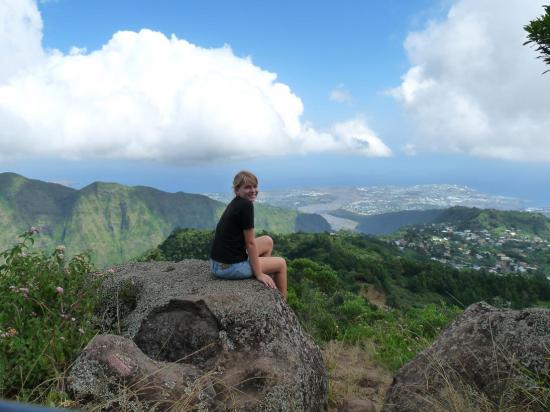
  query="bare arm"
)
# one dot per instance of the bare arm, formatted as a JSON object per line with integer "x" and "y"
{"x": 252, "y": 250}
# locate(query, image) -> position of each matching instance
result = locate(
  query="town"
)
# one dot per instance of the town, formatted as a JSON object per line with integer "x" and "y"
{"x": 501, "y": 252}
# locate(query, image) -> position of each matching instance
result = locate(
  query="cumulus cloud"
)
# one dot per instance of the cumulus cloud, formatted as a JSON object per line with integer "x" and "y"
{"x": 340, "y": 95}
{"x": 147, "y": 96}
{"x": 352, "y": 136}
{"x": 474, "y": 88}
{"x": 20, "y": 36}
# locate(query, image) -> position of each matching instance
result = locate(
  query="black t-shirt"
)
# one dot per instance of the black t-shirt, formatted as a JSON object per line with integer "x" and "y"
{"x": 228, "y": 245}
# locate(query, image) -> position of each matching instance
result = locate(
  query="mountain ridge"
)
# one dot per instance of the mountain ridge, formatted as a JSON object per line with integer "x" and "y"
{"x": 464, "y": 217}
{"x": 117, "y": 222}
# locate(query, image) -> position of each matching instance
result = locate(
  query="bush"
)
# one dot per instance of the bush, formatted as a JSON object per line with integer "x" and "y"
{"x": 187, "y": 244}
{"x": 46, "y": 308}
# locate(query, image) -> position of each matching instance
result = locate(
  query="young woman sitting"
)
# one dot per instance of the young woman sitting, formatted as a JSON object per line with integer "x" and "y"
{"x": 236, "y": 252}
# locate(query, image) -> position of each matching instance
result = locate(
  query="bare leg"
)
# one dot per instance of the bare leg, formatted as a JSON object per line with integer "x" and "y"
{"x": 264, "y": 245}
{"x": 277, "y": 266}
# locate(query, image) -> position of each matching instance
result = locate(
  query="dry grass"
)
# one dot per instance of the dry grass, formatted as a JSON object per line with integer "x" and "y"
{"x": 519, "y": 390}
{"x": 455, "y": 394}
{"x": 353, "y": 374}
{"x": 459, "y": 396}
{"x": 373, "y": 295}
{"x": 227, "y": 397}
{"x": 212, "y": 391}
{"x": 136, "y": 398}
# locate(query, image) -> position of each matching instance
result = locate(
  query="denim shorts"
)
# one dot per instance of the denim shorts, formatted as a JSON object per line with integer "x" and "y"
{"x": 240, "y": 270}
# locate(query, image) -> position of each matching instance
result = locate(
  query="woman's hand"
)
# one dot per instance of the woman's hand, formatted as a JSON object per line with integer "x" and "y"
{"x": 266, "y": 280}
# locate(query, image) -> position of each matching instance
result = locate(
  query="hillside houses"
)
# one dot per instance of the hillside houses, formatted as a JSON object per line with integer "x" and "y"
{"x": 503, "y": 251}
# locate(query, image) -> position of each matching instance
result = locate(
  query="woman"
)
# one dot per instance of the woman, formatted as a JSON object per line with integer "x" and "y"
{"x": 236, "y": 252}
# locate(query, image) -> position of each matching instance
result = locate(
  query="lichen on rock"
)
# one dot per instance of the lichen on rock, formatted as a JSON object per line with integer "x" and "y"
{"x": 240, "y": 335}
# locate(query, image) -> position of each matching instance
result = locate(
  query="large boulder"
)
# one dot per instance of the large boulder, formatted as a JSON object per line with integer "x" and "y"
{"x": 244, "y": 339}
{"x": 111, "y": 362}
{"x": 488, "y": 357}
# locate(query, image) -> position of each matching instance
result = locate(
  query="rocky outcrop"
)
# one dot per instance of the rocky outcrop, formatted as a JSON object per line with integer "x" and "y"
{"x": 488, "y": 356}
{"x": 245, "y": 341}
{"x": 111, "y": 362}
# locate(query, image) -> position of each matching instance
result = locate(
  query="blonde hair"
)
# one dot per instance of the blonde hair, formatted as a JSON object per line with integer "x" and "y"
{"x": 244, "y": 177}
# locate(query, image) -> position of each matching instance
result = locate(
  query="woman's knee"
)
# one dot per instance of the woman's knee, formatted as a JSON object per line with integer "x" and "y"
{"x": 268, "y": 241}
{"x": 272, "y": 264}
{"x": 265, "y": 245}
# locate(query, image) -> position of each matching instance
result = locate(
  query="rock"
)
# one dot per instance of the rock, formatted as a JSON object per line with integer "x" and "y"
{"x": 239, "y": 333}
{"x": 357, "y": 405}
{"x": 487, "y": 356}
{"x": 110, "y": 362}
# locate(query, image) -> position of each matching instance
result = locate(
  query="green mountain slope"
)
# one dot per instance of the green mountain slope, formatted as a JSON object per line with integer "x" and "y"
{"x": 496, "y": 220}
{"x": 330, "y": 276}
{"x": 27, "y": 202}
{"x": 387, "y": 223}
{"x": 463, "y": 218}
{"x": 115, "y": 222}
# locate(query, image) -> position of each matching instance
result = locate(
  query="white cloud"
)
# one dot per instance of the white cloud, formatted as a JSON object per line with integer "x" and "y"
{"x": 340, "y": 95}
{"x": 474, "y": 88}
{"x": 20, "y": 36}
{"x": 146, "y": 96}
{"x": 409, "y": 149}
{"x": 352, "y": 136}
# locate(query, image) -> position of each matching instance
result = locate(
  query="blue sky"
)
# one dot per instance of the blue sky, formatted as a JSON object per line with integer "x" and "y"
{"x": 309, "y": 93}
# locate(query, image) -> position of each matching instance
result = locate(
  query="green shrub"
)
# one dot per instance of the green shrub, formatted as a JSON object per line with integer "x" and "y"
{"x": 353, "y": 310}
{"x": 311, "y": 306}
{"x": 321, "y": 276}
{"x": 428, "y": 321}
{"x": 187, "y": 244}
{"x": 326, "y": 275}
{"x": 46, "y": 309}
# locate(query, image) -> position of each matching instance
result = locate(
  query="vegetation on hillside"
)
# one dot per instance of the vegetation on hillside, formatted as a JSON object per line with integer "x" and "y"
{"x": 499, "y": 242}
{"x": 497, "y": 221}
{"x": 493, "y": 220}
{"x": 47, "y": 304}
{"x": 330, "y": 274}
{"x": 115, "y": 223}
{"x": 387, "y": 223}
